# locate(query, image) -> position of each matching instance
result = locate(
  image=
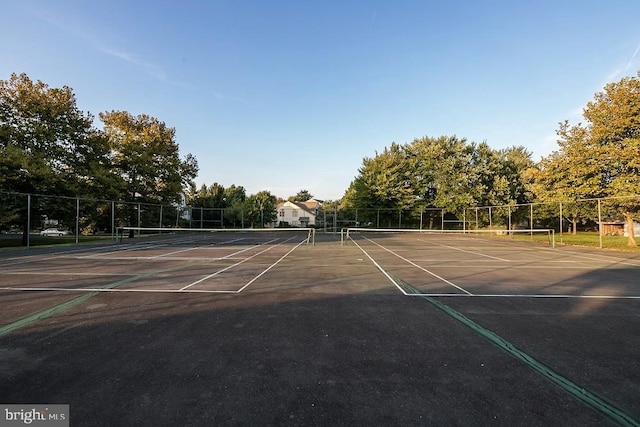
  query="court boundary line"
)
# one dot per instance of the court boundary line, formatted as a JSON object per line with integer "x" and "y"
{"x": 112, "y": 287}
{"x": 474, "y": 295}
{"x": 415, "y": 265}
{"x": 229, "y": 267}
{"x": 582, "y": 394}
{"x": 463, "y": 250}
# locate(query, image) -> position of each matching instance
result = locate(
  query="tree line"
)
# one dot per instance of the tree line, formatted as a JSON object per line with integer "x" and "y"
{"x": 597, "y": 159}
{"x": 48, "y": 146}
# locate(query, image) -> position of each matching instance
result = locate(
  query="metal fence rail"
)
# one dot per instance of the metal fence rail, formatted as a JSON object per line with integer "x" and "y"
{"x": 24, "y": 216}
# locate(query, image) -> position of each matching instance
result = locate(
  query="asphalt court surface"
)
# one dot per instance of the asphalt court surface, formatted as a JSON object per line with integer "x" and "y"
{"x": 396, "y": 330}
{"x": 458, "y": 265}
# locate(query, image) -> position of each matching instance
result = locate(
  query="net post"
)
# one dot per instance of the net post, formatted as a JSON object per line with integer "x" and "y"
{"x": 311, "y": 238}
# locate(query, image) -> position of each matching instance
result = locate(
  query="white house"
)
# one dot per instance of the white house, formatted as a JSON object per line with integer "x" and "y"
{"x": 298, "y": 214}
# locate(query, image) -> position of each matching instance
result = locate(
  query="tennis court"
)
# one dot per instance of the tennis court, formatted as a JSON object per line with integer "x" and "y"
{"x": 289, "y": 327}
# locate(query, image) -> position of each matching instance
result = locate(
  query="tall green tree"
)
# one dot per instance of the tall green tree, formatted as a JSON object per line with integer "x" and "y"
{"x": 147, "y": 157}
{"x": 301, "y": 196}
{"x": 445, "y": 172}
{"x": 212, "y": 196}
{"x": 601, "y": 158}
{"x": 614, "y": 127}
{"x": 49, "y": 146}
{"x": 384, "y": 181}
{"x": 234, "y": 199}
{"x": 260, "y": 209}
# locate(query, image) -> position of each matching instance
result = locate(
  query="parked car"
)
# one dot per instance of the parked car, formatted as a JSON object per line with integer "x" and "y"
{"x": 54, "y": 232}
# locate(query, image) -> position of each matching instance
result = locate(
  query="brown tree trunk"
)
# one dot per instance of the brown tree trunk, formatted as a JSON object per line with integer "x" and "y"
{"x": 632, "y": 238}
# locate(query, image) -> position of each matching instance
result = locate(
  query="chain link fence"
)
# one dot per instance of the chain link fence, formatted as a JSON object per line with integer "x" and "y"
{"x": 31, "y": 219}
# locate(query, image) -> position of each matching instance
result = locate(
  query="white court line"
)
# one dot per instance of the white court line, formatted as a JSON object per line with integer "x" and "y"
{"x": 157, "y": 257}
{"x": 199, "y": 247}
{"x": 181, "y": 290}
{"x": 201, "y": 291}
{"x": 464, "y": 250}
{"x": 225, "y": 269}
{"x": 238, "y": 263}
{"x": 602, "y": 258}
{"x": 420, "y": 267}
{"x": 271, "y": 266}
{"x": 526, "y": 296}
{"x": 380, "y": 268}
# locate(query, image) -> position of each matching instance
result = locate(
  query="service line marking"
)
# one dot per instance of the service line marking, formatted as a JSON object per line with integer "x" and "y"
{"x": 418, "y": 266}
{"x": 271, "y": 266}
{"x": 464, "y": 250}
{"x": 387, "y": 275}
{"x": 242, "y": 261}
{"x": 199, "y": 247}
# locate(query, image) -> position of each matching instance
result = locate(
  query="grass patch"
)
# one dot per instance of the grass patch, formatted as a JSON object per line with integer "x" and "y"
{"x": 584, "y": 238}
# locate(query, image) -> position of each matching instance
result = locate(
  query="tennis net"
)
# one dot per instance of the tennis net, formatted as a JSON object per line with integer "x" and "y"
{"x": 545, "y": 236}
{"x": 185, "y": 236}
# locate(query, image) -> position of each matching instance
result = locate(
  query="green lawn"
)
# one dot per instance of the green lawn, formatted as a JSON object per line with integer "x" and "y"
{"x": 585, "y": 238}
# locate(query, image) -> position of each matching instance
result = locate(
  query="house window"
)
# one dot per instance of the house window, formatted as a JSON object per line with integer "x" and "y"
{"x": 282, "y": 212}
{"x": 294, "y": 213}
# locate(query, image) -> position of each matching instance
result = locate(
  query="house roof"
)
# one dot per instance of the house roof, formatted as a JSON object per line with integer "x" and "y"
{"x": 300, "y": 205}
{"x": 312, "y": 203}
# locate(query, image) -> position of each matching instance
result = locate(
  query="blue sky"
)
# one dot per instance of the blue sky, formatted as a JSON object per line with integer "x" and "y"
{"x": 290, "y": 95}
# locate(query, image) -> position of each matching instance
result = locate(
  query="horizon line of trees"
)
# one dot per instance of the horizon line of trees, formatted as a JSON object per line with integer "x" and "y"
{"x": 49, "y": 146}
{"x": 598, "y": 159}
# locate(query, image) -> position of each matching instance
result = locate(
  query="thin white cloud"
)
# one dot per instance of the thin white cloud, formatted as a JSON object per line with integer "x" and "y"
{"x": 79, "y": 31}
{"x": 622, "y": 70}
{"x": 633, "y": 57}
{"x": 131, "y": 58}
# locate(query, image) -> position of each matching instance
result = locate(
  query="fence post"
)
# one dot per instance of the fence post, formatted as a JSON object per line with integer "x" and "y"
{"x": 477, "y": 225}
{"x": 77, "y": 220}
{"x": 113, "y": 219}
{"x": 560, "y": 223}
{"x": 600, "y": 224}
{"x": 324, "y": 214}
{"x": 464, "y": 220}
{"x": 490, "y": 218}
{"x": 28, "y": 220}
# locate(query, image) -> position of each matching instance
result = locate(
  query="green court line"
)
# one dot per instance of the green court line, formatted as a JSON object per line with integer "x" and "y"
{"x": 50, "y": 311}
{"x": 589, "y": 398}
